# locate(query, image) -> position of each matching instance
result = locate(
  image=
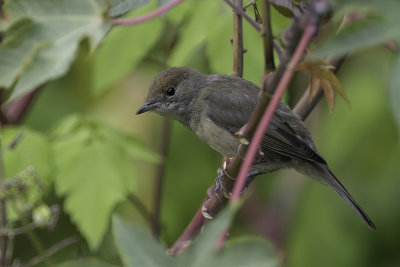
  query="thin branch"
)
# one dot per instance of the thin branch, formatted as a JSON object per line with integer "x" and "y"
{"x": 140, "y": 207}
{"x": 237, "y": 41}
{"x": 239, "y": 10}
{"x": 159, "y": 177}
{"x": 309, "y": 32}
{"x": 269, "y": 64}
{"x": 3, "y": 213}
{"x": 3, "y": 118}
{"x": 188, "y": 235}
{"x": 52, "y": 250}
{"x": 159, "y": 11}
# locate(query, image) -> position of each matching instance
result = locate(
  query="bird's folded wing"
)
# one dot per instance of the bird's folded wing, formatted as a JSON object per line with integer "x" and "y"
{"x": 232, "y": 113}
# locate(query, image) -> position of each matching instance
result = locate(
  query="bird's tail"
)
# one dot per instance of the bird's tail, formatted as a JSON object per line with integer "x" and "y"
{"x": 333, "y": 182}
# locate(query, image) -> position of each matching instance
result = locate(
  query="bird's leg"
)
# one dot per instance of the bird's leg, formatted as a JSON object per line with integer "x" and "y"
{"x": 219, "y": 184}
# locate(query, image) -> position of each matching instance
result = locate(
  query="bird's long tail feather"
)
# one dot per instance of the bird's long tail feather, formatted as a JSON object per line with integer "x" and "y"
{"x": 333, "y": 182}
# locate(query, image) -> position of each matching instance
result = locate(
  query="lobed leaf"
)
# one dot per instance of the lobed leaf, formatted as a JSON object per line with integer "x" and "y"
{"x": 120, "y": 7}
{"x": 44, "y": 47}
{"x": 94, "y": 172}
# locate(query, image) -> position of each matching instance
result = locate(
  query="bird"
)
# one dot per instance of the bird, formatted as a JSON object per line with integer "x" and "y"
{"x": 216, "y": 106}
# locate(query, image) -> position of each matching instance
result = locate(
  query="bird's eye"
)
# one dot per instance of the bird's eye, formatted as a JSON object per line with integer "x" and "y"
{"x": 171, "y": 91}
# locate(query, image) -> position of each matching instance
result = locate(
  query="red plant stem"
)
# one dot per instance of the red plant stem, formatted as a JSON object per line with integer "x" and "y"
{"x": 189, "y": 234}
{"x": 159, "y": 11}
{"x": 262, "y": 127}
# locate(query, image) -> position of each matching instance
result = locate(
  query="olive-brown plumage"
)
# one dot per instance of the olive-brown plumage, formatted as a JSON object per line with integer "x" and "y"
{"x": 216, "y": 106}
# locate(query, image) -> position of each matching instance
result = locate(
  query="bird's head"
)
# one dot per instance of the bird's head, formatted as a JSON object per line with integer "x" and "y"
{"x": 173, "y": 91}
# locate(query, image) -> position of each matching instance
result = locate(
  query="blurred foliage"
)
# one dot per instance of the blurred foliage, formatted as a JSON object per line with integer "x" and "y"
{"x": 78, "y": 138}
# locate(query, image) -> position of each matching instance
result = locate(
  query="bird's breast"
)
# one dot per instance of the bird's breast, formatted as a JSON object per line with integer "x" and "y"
{"x": 216, "y": 137}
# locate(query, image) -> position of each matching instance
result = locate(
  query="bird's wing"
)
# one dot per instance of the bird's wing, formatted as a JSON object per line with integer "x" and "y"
{"x": 282, "y": 138}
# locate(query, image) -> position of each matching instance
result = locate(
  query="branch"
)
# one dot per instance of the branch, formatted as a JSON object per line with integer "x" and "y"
{"x": 237, "y": 41}
{"x": 50, "y": 251}
{"x": 159, "y": 177}
{"x": 3, "y": 212}
{"x": 190, "y": 233}
{"x": 309, "y": 32}
{"x": 269, "y": 64}
{"x": 141, "y": 208}
{"x": 3, "y": 118}
{"x": 161, "y": 10}
{"x": 239, "y": 10}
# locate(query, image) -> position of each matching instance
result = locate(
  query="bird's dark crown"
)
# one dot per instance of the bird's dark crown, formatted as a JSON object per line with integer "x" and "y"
{"x": 170, "y": 77}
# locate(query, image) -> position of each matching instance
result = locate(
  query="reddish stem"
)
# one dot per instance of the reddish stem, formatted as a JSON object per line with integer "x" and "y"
{"x": 190, "y": 233}
{"x": 262, "y": 127}
{"x": 148, "y": 16}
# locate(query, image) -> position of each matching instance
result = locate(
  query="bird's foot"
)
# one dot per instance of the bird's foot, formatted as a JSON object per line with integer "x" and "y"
{"x": 223, "y": 175}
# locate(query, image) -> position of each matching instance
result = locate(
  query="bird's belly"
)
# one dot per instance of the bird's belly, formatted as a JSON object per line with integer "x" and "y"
{"x": 218, "y": 138}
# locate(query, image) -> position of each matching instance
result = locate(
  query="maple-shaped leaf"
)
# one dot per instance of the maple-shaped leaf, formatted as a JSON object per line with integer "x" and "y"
{"x": 322, "y": 76}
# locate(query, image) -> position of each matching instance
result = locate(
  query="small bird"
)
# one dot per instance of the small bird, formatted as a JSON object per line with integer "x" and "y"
{"x": 216, "y": 106}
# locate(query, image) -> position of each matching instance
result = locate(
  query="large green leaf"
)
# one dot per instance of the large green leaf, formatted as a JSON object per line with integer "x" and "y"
{"x": 137, "y": 248}
{"x": 42, "y": 37}
{"x": 94, "y": 172}
{"x": 122, "y": 6}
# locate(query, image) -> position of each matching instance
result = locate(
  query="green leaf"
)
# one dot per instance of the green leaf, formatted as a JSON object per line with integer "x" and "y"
{"x": 122, "y": 6}
{"x": 137, "y": 247}
{"x": 358, "y": 35}
{"x": 85, "y": 263}
{"x": 123, "y": 49}
{"x": 93, "y": 160}
{"x": 249, "y": 252}
{"x": 132, "y": 146}
{"x": 16, "y": 54}
{"x": 394, "y": 89}
{"x": 242, "y": 252}
{"x": 44, "y": 48}
{"x": 30, "y": 149}
{"x": 380, "y": 25}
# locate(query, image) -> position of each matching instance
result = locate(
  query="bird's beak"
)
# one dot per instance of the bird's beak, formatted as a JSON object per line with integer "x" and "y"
{"x": 146, "y": 107}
